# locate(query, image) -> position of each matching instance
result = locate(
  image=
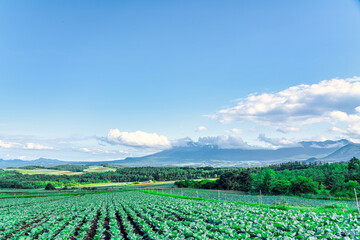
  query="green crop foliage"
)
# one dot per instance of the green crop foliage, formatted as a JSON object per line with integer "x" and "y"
{"x": 141, "y": 215}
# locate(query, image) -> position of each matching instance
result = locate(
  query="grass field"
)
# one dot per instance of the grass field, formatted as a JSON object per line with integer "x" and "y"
{"x": 121, "y": 184}
{"x": 100, "y": 169}
{"x": 46, "y": 171}
{"x": 140, "y": 215}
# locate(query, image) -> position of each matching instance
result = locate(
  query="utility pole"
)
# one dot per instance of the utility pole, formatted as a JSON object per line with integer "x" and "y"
{"x": 357, "y": 202}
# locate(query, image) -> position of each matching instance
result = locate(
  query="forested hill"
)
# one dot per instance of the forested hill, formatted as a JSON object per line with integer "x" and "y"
{"x": 14, "y": 179}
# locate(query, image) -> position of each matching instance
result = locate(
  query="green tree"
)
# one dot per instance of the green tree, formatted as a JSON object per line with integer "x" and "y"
{"x": 236, "y": 180}
{"x": 337, "y": 183}
{"x": 49, "y": 186}
{"x": 263, "y": 180}
{"x": 268, "y": 179}
{"x": 303, "y": 185}
{"x": 354, "y": 163}
{"x": 281, "y": 187}
{"x": 350, "y": 185}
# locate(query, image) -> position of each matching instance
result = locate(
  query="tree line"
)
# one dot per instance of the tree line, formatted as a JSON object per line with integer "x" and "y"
{"x": 337, "y": 179}
{"x": 13, "y": 179}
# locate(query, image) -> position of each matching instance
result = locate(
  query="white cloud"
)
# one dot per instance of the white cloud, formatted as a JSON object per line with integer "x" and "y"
{"x": 352, "y": 122}
{"x": 181, "y": 142}
{"x": 287, "y": 129}
{"x": 31, "y": 146}
{"x": 36, "y": 146}
{"x": 137, "y": 139}
{"x": 224, "y": 142}
{"x": 201, "y": 129}
{"x": 234, "y": 131}
{"x": 99, "y": 151}
{"x": 297, "y": 105}
{"x": 9, "y": 144}
{"x": 278, "y": 142}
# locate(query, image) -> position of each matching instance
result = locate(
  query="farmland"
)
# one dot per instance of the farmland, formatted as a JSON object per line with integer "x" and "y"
{"x": 141, "y": 215}
{"x": 247, "y": 198}
{"x": 46, "y": 171}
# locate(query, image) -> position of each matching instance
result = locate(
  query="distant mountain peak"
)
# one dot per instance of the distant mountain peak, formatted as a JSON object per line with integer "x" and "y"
{"x": 326, "y": 144}
{"x": 345, "y": 153}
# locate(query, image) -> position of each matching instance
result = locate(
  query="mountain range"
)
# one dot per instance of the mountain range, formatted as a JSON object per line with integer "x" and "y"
{"x": 211, "y": 155}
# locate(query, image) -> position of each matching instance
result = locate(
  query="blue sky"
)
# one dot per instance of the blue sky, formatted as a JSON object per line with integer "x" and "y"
{"x": 95, "y": 80}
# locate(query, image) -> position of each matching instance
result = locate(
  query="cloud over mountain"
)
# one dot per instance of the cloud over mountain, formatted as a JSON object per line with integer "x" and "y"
{"x": 225, "y": 142}
{"x": 277, "y": 142}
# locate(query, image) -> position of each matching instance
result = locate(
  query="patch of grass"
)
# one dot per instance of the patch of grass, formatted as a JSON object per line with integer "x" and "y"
{"x": 91, "y": 169}
{"x": 50, "y": 171}
{"x": 154, "y": 184}
{"x": 112, "y": 184}
{"x": 43, "y": 171}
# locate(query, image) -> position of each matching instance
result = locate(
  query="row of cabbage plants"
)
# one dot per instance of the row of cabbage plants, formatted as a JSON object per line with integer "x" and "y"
{"x": 228, "y": 220}
{"x": 266, "y": 199}
{"x": 139, "y": 215}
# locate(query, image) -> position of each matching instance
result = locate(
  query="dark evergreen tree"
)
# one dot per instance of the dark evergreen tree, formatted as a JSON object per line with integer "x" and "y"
{"x": 49, "y": 186}
{"x": 354, "y": 164}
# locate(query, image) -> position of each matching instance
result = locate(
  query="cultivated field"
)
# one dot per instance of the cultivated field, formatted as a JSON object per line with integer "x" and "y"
{"x": 47, "y": 171}
{"x": 43, "y": 171}
{"x": 139, "y": 215}
{"x": 267, "y": 199}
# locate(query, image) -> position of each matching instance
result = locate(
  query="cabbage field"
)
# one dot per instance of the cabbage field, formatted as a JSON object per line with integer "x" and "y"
{"x": 266, "y": 199}
{"x": 140, "y": 215}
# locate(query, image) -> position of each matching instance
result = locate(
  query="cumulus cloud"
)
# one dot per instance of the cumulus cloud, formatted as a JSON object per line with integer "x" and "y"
{"x": 277, "y": 142}
{"x": 352, "y": 122}
{"x": 201, "y": 129}
{"x": 31, "y": 146}
{"x": 297, "y": 105}
{"x": 137, "y": 139}
{"x": 182, "y": 142}
{"x": 222, "y": 141}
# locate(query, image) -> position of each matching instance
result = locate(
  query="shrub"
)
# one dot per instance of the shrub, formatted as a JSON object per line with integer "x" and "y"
{"x": 49, "y": 186}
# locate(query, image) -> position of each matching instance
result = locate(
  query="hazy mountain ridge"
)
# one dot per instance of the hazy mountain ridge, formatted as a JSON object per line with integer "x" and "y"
{"x": 205, "y": 155}
{"x": 211, "y": 155}
{"x": 342, "y": 154}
